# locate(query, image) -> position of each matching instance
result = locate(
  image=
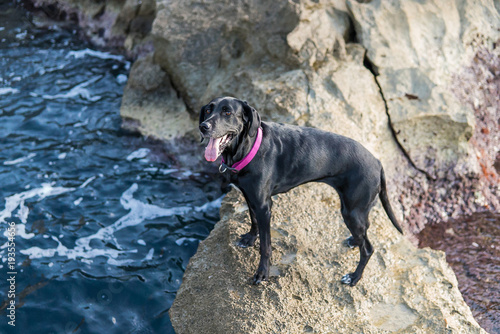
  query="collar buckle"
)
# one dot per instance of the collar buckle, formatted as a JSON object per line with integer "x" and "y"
{"x": 223, "y": 168}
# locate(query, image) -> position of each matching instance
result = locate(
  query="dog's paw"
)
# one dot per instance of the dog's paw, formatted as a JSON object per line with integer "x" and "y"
{"x": 260, "y": 276}
{"x": 349, "y": 242}
{"x": 247, "y": 240}
{"x": 350, "y": 279}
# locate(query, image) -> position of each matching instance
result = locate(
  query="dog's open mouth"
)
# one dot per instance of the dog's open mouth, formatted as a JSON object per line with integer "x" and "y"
{"x": 216, "y": 146}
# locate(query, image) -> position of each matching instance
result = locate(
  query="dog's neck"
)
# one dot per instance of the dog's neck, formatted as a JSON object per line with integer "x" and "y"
{"x": 239, "y": 149}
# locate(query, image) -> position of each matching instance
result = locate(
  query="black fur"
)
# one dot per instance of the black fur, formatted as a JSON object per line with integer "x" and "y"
{"x": 290, "y": 156}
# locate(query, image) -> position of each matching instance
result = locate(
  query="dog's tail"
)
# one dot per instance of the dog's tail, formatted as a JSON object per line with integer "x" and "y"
{"x": 385, "y": 202}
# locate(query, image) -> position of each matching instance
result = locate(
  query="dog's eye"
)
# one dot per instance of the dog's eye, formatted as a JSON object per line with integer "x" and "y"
{"x": 226, "y": 111}
{"x": 207, "y": 111}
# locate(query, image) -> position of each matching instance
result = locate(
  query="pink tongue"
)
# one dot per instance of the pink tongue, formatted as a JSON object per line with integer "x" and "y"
{"x": 212, "y": 149}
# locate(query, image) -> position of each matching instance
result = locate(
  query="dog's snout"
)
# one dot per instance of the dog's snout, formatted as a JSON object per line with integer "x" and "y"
{"x": 204, "y": 127}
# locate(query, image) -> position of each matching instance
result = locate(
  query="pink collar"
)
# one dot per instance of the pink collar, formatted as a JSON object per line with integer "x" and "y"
{"x": 237, "y": 166}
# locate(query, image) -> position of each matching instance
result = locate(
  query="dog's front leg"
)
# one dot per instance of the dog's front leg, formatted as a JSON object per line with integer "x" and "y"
{"x": 263, "y": 216}
{"x": 248, "y": 239}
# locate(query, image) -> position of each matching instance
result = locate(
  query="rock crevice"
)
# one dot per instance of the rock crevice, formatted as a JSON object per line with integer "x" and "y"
{"x": 369, "y": 65}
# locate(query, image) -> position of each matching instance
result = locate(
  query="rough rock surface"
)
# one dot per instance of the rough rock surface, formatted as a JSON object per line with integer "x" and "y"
{"x": 415, "y": 48}
{"x": 149, "y": 99}
{"x": 209, "y": 46}
{"x": 403, "y": 290}
{"x": 414, "y": 81}
{"x": 375, "y": 71}
{"x": 123, "y": 24}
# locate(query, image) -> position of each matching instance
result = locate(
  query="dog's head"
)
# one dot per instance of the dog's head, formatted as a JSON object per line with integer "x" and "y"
{"x": 223, "y": 120}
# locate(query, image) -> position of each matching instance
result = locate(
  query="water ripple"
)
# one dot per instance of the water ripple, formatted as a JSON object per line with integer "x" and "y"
{"x": 105, "y": 226}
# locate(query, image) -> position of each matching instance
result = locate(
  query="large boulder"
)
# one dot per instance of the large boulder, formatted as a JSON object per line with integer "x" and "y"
{"x": 274, "y": 55}
{"x": 403, "y": 290}
{"x": 386, "y": 73}
{"x": 203, "y": 44}
{"x": 151, "y": 105}
{"x": 416, "y": 50}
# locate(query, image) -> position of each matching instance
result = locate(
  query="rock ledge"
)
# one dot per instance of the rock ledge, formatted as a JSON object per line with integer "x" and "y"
{"x": 403, "y": 290}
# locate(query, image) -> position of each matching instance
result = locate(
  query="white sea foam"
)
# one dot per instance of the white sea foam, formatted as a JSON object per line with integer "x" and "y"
{"x": 80, "y": 124}
{"x": 22, "y": 159}
{"x": 150, "y": 254}
{"x": 8, "y": 90}
{"x": 78, "y": 201}
{"x": 77, "y": 91}
{"x": 163, "y": 171}
{"x": 138, "y": 154}
{"x": 180, "y": 241}
{"x": 23, "y": 212}
{"x": 22, "y": 35}
{"x": 86, "y": 183}
{"x": 210, "y": 205}
{"x": 17, "y": 200}
{"x": 21, "y": 232}
{"x": 72, "y": 254}
{"x": 121, "y": 78}
{"x": 93, "y": 53}
{"x": 139, "y": 212}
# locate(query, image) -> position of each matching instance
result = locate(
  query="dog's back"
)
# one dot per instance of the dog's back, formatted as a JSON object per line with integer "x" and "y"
{"x": 302, "y": 154}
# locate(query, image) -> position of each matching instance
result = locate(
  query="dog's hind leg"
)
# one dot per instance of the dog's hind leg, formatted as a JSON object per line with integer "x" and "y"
{"x": 349, "y": 242}
{"x": 357, "y": 222}
{"x": 357, "y": 199}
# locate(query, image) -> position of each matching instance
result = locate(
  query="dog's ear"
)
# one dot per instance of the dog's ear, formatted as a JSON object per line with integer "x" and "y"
{"x": 252, "y": 119}
{"x": 202, "y": 118}
{"x": 202, "y": 113}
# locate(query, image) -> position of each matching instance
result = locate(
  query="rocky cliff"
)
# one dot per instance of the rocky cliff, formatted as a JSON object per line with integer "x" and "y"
{"x": 403, "y": 289}
{"x": 417, "y": 82}
{"x": 412, "y": 81}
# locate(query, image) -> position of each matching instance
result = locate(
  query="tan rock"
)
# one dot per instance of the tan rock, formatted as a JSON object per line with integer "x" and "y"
{"x": 291, "y": 70}
{"x": 150, "y": 100}
{"x": 417, "y": 48}
{"x": 200, "y": 43}
{"x": 403, "y": 290}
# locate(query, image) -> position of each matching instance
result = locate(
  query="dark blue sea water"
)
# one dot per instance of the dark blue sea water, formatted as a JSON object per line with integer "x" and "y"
{"x": 104, "y": 226}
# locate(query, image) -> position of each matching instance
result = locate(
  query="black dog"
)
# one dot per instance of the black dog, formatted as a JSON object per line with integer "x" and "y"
{"x": 287, "y": 157}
